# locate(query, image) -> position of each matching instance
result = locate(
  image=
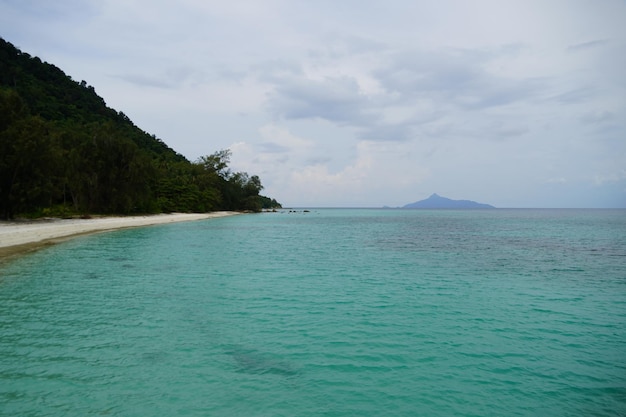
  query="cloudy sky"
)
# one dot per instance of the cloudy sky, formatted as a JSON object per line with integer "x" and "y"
{"x": 516, "y": 103}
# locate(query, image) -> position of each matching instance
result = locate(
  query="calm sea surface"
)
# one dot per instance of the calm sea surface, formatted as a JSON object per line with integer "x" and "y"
{"x": 326, "y": 313}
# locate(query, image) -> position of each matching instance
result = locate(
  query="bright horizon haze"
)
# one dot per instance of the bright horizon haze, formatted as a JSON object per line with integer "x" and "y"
{"x": 363, "y": 103}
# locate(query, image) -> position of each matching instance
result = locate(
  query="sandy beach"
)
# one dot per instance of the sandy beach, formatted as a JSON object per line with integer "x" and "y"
{"x": 24, "y": 236}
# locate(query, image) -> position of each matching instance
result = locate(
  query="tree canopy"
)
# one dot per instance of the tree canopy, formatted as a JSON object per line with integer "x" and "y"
{"x": 64, "y": 152}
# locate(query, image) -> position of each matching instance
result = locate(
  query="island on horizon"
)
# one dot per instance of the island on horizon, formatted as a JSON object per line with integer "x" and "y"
{"x": 436, "y": 201}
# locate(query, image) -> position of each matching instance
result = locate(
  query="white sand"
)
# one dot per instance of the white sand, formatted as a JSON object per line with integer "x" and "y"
{"x": 13, "y": 234}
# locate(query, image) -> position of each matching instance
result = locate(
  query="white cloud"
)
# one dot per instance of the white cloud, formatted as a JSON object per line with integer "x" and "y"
{"x": 282, "y": 137}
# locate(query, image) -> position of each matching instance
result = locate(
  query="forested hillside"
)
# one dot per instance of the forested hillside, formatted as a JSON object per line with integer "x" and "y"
{"x": 64, "y": 152}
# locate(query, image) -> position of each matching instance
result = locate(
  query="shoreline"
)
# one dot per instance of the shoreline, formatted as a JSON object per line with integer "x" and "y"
{"x": 19, "y": 238}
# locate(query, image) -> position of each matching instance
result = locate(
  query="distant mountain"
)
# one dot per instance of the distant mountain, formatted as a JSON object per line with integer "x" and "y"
{"x": 437, "y": 202}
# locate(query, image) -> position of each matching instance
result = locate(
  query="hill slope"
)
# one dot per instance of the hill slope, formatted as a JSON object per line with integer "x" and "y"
{"x": 52, "y": 95}
{"x": 63, "y": 151}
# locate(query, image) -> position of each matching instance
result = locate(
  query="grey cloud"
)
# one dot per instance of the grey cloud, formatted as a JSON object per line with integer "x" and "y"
{"x": 506, "y": 132}
{"x": 455, "y": 77}
{"x": 170, "y": 79}
{"x": 597, "y": 117}
{"x": 573, "y": 96}
{"x": 333, "y": 99}
{"x": 605, "y": 124}
{"x": 146, "y": 81}
{"x": 408, "y": 129}
{"x": 426, "y": 72}
{"x": 278, "y": 71}
{"x": 318, "y": 161}
{"x": 270, "y": 147}
{"x": 587, "y": 45}
{"x": 337, "y": 100}
{"x": 339, "y": 45}
{"x": 389, "y": 132}
{"x": 229, "y": 74}
{"x": 278, "y": 161}
{"x": 492, "y": 128}
{"x": 74, "y": 9}
{"x": 445, "y": 80}
{"x": 501, "y": 92}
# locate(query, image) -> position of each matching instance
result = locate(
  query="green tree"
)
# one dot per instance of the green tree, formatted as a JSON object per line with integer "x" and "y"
{"x": 63, "y": 150}
{"x": 30, "y": 162}
{"x": 217, "y": 162}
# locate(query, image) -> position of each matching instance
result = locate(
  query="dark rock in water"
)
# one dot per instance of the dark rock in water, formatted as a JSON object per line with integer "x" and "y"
{"x": 437, "y": 202}
{"x": 256, "y": 363}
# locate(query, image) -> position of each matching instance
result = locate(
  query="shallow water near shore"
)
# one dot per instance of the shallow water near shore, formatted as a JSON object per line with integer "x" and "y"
{"x": 333, "y": 312}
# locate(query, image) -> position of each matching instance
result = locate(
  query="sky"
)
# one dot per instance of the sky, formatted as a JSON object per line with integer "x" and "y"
{"x": 345, "y": 103}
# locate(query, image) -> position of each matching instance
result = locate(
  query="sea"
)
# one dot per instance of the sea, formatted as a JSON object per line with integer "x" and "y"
{"x": 323, "y": 312}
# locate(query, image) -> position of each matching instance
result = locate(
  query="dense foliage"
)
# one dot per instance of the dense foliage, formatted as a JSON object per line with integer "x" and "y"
{"x": 63, "y": 152}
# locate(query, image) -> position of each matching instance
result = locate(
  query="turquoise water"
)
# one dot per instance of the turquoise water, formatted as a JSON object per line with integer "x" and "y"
{"x": 327, "y": 313}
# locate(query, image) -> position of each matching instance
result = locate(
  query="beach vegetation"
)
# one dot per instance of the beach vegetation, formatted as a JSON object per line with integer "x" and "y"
{"x": 62, "y": 150}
